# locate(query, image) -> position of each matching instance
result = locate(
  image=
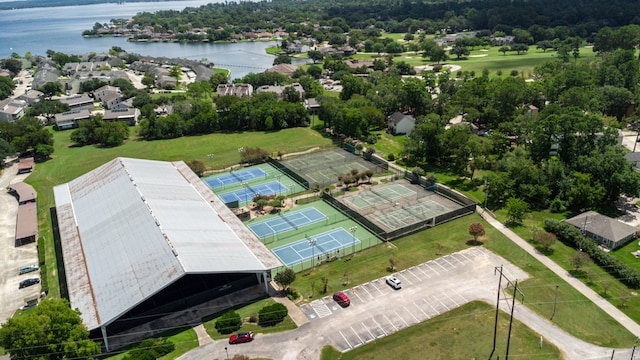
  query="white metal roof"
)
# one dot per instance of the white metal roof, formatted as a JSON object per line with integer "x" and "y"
{"x": 132, "y": 227}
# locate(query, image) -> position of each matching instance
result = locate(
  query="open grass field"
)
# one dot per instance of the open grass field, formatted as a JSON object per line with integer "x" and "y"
{"x": 389, "y": 144}
{"x": 597, "y": 328}
{"x": 462, "y": 333}
{"x": 70, "y": 162}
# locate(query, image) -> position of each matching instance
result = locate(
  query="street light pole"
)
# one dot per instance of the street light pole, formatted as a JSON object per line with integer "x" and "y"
{"x": 279, "y": 185}
{"x": 210, "y": 156}
{"x": 245, "y": 186}
{"x": 312, "y": 243}
{"x": 353, "y": 236}
{"x": 226, "y": 351}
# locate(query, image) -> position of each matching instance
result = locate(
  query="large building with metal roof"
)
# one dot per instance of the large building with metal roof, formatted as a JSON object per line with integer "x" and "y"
{"x": 143, "y": 238}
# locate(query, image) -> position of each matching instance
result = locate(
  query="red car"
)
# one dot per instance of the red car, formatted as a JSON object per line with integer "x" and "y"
{"x": 241, "y": 337}
{"x": 341, "y": 298}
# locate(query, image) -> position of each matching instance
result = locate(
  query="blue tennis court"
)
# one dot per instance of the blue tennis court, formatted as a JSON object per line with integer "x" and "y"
{"x": 301, "y": 250}
{"x": 234, "y": 177}
{"x": 286, "y": 222}
{"x": 248, "y": 193}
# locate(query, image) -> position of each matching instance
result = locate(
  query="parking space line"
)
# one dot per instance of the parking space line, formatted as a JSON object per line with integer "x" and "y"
{"x": 445, "y": 294}
{"x": 447, "y": 261}
{"x": 390, "y": 322}
{"x": 434, "y": 309}
{"x": 400, "y": 317}
{"x": 369, "y": 331}
{"x": 345, "y": 340}
{"x": 320, "y": 308}
{"x": 465, "y": 256}
{"x": 422, "y": 271}
{"x": 445, "y": 306}
{"x": 414, "y": 275}
{"x": 431, "y": 268}
{"x": 358, "y": 336}
{"x": 425, "y": 314}
{"x": 384, "y": 333}
{"x": 364, "y": 288}
{"x": 464, "y": 300}
{"x": 410, "y": 313}
{"x": 356, "y": 293}
{"x": 455, "y": 257}
{"x": 377, "y": 288}
{"x": 404, "y": 277}
{"x": 443, "y": 268}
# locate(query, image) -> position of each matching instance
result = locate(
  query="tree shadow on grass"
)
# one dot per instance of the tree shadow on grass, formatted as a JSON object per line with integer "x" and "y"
{"x": 473, "y": 242}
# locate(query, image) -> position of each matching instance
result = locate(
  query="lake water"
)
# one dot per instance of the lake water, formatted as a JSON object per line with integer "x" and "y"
{"x": 60, "y": 29}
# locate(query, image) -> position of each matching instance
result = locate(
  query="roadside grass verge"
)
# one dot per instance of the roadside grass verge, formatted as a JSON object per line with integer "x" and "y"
{"x": 69, "y": 162}
{"x": 462, "y": 333}
{"x": 245, "y": 313}
{"x": 598, "y": 328}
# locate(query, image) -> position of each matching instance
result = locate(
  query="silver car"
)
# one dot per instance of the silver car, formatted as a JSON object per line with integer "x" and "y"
{"x": 28, "y": 269}
{"x": 394, "y": 282}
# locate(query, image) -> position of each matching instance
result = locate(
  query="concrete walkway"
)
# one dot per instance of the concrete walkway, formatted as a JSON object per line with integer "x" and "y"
{"x": 601, "y": 302}
{"x": 203, "y": 335}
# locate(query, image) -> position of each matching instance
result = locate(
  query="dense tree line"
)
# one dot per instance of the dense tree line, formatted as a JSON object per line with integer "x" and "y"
{"x": 27, "y": 135}
{"x": 97, "y": 131}
{"x": 538, "y": 17}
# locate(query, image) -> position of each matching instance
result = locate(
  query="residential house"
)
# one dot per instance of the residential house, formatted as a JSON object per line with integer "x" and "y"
{"x": 399, "y": 123}
{"x": 502, "y": 40}
{"x": 279, "y": 90}
{"x": 100, "y": 93}
{"x": 312, "y": 105}
{"x": 129, "y": 116}
{"x": 81, "y": 101}
{"x": 608, "y": 232}
{"x": 166, "y": 82}
{"x": 111, "y": 101}
{"x": 31, "y": 96}
{"x": 634, "y": 159}
{"x": 70, "y": 119}
{"x": 286, "y": 69}
{"x": 12, "y": 109}
{"x": 358, "y": 63}
{"x": 238, "y": 90}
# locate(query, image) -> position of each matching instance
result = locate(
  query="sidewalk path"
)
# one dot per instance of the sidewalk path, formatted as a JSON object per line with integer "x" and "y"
{"x": 601, "y": 302}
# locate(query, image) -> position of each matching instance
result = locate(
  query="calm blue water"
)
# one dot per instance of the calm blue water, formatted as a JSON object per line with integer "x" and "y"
{"x": 60, "y": 29}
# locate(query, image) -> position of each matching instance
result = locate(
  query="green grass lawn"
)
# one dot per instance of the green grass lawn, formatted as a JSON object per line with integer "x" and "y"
{"x": 245, "y": 312}
{"x": 462, "y": 333}
{"x": 184, "y": 340}
{"x": 598, "y": 327}
{"x": 70, "y": 162}
{"x": 389, "y": 144}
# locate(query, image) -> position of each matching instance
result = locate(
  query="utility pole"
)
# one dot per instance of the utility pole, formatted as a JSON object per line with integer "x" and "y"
{"x": 555, "y": 301}
{"x": 495, "y": 325}
{"x": 513, "y": 306}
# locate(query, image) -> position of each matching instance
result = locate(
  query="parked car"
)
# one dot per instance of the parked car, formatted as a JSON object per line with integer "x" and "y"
{"x": 28, "y": 268}
{"x": 28, "y": 282}
{"x": 394, "y": 282}
{"x": 341, "y": 298}
{"x": 242, "y": 337}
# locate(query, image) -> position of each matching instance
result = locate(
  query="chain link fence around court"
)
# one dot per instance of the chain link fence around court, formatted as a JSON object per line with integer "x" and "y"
{"x": 400, "y": 208}
{"x": 323, "y": 168}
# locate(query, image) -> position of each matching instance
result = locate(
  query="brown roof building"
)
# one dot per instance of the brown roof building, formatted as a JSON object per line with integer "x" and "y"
{"x": 25, "y": 165}
{"x": 27, "y": 224}
{"x": 23, "y": 192}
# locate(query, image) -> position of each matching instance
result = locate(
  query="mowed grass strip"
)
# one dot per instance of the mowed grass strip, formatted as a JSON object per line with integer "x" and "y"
{"x": 597, "y": 328}
{"x": 184, "y": 340}
{"x": 69, "y": 162}
{"x": 462, "y": 333}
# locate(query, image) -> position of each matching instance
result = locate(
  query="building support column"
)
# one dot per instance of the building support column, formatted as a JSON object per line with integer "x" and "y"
{"x": 104, "y": 337}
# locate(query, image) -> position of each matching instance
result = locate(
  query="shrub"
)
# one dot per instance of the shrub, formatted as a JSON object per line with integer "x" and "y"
{"x": 228, "y": 322}
{"x": 293, "y": 294}
{"x": 151, "y": 349}
{"x": 391, "y": 157}
{"x": 272, "y": 314}
{"x": 372, "y": 139}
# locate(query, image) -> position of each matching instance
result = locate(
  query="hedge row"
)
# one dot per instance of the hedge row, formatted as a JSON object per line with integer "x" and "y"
{"x": 571, "y": 236}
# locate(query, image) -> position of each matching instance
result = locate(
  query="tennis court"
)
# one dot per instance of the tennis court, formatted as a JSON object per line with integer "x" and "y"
{"x": 286, "y": 222}
{"x": 250, "y": 191}
{"x": 325, "y": 243}
{"x": 234, "y": 177}
{"x": 371, "y": 197}
{"x": 407, "y": 215}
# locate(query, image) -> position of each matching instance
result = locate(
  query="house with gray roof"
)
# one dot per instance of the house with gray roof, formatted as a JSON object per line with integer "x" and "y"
{"x": 634, "y": 159}
{"x": 69, "y": 119}
{"x": 608, "y": 232}
{"x": 12, "y": 109}
{"x": 399, "y": 123}
{"x": 128, "y": 115}
{"x": 31, "y": 96}
{"x": 80, "y": 101}
{"x": 279, "y": 90}
{"x": 238, "y": 90}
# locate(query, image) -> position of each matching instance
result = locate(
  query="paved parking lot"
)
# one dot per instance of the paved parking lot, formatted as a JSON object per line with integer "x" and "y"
{"x": 12, "y": 257}
{"x": 429, "y": 289}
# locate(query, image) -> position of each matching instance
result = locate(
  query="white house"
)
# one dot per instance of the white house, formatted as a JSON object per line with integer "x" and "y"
{"x": 400, "y": 123}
